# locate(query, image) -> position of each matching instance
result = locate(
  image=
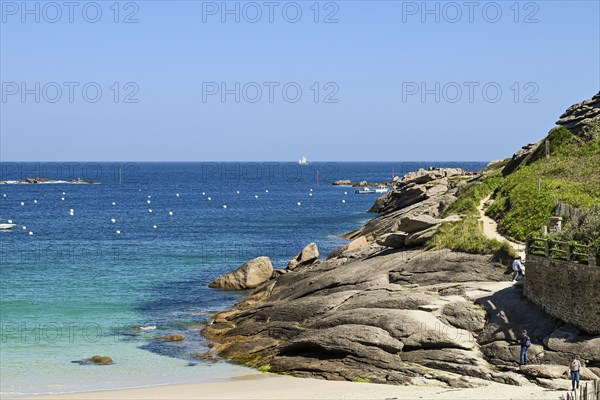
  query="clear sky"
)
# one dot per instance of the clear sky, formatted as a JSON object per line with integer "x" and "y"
{"x": 379, "y": 80}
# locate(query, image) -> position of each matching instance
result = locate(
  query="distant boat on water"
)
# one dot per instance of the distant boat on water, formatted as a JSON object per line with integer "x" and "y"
{"x": 303, "y": 161}
{"x": 365, "y": 190}
{"x": 382, "y": 189}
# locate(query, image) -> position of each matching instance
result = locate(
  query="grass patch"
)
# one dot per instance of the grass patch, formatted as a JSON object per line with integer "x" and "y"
{"x": 362, "y": 380}
{"x": 471, "y": 195}
{"x": 526, "y": 198}
{"x": 467, "y": 236}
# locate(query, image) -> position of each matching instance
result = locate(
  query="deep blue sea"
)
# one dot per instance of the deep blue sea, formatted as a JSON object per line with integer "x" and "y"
{"x": 88, "y": 265}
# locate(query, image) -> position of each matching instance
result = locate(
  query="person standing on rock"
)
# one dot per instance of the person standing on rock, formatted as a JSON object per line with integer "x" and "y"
{"x": 525, "y": 344}
{"x": 575, "y": 369}
{"x": 518, "y": 268}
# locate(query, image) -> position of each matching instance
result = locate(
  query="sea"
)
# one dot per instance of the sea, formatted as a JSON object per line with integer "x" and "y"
{"x": 104, "y": 268}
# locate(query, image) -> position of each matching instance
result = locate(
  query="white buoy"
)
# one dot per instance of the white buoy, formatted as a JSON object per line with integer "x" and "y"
{"x": 343, "y": 201}
{"x": 71, "y": 210}
{"x": 171, "y": 213}
{"x": 209, "y": 199}
{"x": 10, "y": 221}
{"x": 176, "y": 194}
{"x": 238, "y": 192}
{"x": 299, "y": 203}
{"x": 22, "y": 203}
{"x": 345, "y": 192}
{"x": 311, "y": 190}
{"x": 150, "y": 210}
{"x": 30, "y": 233}
{"x": 24, "y": 227}
{"x": 35, "y": 201}
{"x": 114, "y": 204}
{"x": 149, "y": 196}
{"x": 148, "y": 201}
{"x": 64, "y": 193}
{"x": 118, "y": 232}
{"x": 256, "y": 196}
{"x": 203, "y": 194}
{"x": 266, "y": 191}
{"x": 310, "y": 194}
{"x": 113, "y": 220}
{"x": 224, "y": 205}
{"x": 62, "y": 198}
{"x": 154, "y": 226}
{"x": 3, "y": 195}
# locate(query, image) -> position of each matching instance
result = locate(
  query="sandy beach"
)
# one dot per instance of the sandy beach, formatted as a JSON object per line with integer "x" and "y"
{"x": 268, "y": 386}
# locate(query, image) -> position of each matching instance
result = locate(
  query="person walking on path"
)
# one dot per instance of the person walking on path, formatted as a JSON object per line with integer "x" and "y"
{"x": 525, "y": 344}
{"x": 575, "y": 369}
{"x": 518, "y": 268}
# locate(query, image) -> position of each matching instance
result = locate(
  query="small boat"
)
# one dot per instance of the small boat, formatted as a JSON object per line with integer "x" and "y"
{"x": 303, "y": 161}
{"x": 5, "y": 227}
{"x": 382, "y": 189}
{"x": 365, "y": 190}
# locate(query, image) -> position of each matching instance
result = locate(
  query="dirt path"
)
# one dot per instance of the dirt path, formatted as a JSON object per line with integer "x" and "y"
{"x": 490, "y": 229}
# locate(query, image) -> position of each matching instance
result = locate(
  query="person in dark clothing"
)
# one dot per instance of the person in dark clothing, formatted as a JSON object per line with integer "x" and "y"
{"x": 525, "y": 344}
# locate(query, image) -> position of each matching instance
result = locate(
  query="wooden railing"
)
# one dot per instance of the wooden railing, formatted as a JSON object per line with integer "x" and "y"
{"x": 561, "y": 251}
{"x": 587, "y": 391}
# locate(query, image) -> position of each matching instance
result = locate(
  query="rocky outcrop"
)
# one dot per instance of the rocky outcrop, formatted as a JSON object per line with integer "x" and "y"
{"x": 519, "y": 158}
{"x": 95, "y": 360}
{"x": 342, "y": 182}
{"x": 307, "y": 256}
{"x": 413, "y": 206}
{"x": 248, "y": 276}
{"x": 384, "y": 318}
{"x": 580, "y": 115}
{"x": 395, "y": 240}
{"x": 395, "y": 317}
{"x": 176, "y": 337}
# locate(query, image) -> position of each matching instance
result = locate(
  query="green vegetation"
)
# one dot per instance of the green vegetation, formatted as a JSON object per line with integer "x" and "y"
{"x": 525, "y": 199}
{"x": 467, "y": 236}
{"x": 265, "y": 368}
{"x": 585, "y": 229}
{"x": 362, "y": 380}
{"x": 472, "y": 194}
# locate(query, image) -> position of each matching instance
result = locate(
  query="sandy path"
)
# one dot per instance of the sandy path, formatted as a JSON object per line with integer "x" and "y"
{"x": 267, "y": 386}
{"x": 490, "y": 229}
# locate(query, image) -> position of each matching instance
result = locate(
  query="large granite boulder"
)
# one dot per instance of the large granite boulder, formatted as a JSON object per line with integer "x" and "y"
{"x": 308, "y": 255}
{"x": 248, "y": 276}
{"x": 421, "y": 237}
{"x": 570, "y": 340}
{"x": 519, "y": 157}
{"x": 579, "y": 115}
{"x": 395, "y": 240}
{"x": 417, "y": 223}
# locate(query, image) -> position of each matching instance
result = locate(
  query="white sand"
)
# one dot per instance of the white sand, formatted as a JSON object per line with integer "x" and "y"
{"x": 267, "y": 386}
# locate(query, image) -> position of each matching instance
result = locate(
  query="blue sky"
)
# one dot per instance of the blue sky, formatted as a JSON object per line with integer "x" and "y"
{"x": 393, "y": 82}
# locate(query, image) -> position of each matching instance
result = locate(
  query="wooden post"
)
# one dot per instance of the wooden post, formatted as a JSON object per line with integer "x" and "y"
{"x": 569, "y": 251}
{"x": 592, "y": 263}
{"x": 547, "y": 248}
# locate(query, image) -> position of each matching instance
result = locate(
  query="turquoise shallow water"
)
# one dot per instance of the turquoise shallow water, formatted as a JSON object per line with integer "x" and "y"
{"x": 76, "y": 287}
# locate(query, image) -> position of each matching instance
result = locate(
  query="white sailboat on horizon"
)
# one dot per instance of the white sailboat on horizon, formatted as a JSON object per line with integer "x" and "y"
{"x": 303, "y": 161}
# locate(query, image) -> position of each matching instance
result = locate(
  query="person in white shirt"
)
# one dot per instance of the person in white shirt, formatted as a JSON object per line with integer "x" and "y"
{"x": 518, "y": 268}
